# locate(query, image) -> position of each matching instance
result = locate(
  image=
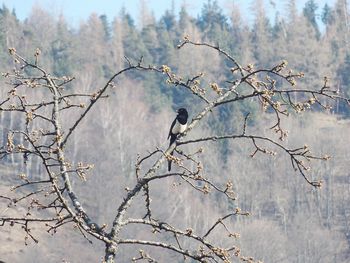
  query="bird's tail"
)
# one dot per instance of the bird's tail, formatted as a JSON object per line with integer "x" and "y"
{"x": 172, "y": 140}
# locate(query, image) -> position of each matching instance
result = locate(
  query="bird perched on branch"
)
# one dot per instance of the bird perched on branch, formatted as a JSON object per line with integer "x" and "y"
{"x": 178, "y": 126}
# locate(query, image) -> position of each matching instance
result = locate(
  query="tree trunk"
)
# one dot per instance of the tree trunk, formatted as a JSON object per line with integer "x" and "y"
{"x": 110, "y": 253}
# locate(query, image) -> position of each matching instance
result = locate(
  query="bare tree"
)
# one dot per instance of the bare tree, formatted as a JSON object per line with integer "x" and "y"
{"x": 48, "y": 191}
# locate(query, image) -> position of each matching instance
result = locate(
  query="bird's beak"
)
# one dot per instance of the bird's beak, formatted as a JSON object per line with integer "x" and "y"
{"x": 177, "y": 111}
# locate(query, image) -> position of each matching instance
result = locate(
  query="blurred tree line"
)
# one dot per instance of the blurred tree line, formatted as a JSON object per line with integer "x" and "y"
{"x": 315, "y": 41}
{"x": 290, "y": 222}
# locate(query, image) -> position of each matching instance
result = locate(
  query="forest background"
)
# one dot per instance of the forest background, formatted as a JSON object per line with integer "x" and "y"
{"x": 290, "y": 221}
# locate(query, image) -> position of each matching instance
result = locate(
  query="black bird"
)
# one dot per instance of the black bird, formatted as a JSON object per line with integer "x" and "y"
{"x": 178, "y": 126}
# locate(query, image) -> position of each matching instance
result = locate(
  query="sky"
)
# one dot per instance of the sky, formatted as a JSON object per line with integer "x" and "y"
{"x": 76, "y": 11}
